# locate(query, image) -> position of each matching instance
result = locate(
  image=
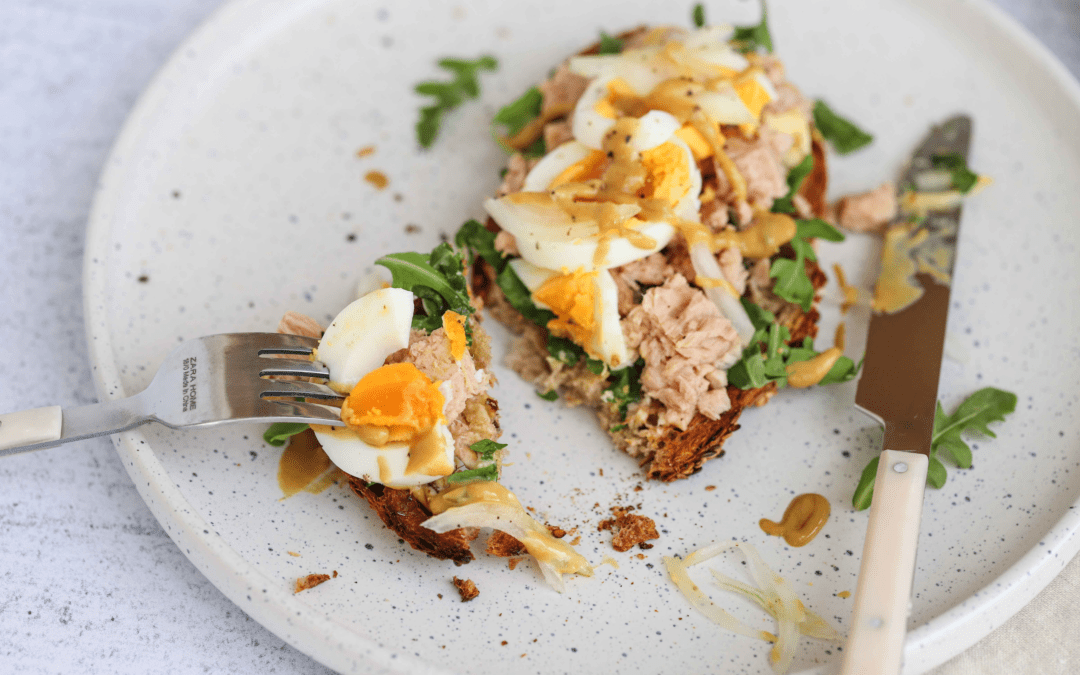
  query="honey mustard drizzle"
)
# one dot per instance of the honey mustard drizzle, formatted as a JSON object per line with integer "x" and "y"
{"x": 538, "y": 540}
{"x": 810, "y": 372}
{"x": 610, "y": 188}
{"x": 803, "y": 519}
{"x": 302, "y": 463}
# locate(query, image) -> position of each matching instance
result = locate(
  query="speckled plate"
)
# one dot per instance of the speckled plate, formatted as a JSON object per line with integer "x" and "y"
{"x": 235, "y": 192}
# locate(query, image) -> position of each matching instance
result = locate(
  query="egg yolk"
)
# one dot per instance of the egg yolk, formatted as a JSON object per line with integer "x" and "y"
{"x": 668, "y": 176}
{"x": 454, "y": 325}
{"x": 592, "y": 166}
{"x": 398, "y": 398}
{"x": 572, "y": 298}
{"x": 754, "y": 96}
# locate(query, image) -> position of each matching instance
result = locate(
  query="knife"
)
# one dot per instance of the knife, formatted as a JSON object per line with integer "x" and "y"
{"x": 898, "y": 388}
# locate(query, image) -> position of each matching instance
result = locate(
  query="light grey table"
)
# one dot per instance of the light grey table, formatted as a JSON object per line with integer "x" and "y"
{"x": 89, "y": 582}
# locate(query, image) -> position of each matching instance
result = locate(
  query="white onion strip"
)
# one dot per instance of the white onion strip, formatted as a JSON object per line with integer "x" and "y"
{"x": 775, "y": 595}
{"x": 553, "y": 555}
{"x": 705, "y": 265}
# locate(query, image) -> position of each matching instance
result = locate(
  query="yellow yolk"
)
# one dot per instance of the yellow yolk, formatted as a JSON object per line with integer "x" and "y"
{"x": 586, "y": 169}
{"x": 397, "y": 397}
{"x": 618, "y": 92}
{"x": 699, "y": 145}
{"x": 454, "y": 325}
{"x": 668, "y": 177}
{"x": 754, "y": 96}
{"x": 571, "y": 297}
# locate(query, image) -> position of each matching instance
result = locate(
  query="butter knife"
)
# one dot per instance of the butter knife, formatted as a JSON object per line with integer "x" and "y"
{"x": 898, "y": 388}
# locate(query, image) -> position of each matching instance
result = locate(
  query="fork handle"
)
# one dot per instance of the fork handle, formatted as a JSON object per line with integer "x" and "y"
{"x": 45, "y": 427}
{"x": 31, "y": 427}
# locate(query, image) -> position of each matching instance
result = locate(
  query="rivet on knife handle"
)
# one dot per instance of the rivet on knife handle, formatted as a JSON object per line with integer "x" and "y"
{"x": 879, "y": 621}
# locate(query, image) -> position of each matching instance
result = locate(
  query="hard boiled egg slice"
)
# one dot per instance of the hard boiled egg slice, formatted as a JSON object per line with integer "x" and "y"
{"x": 586, "y": 306}
{"x": 397, "y": 433}
{"x": 363, "y": 334}
{"x": 595, "y": 114}
{"x": 550, "y": 237}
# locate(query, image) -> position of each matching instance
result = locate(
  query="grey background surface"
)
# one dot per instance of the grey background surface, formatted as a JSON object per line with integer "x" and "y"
{"x": 89, "y": 582}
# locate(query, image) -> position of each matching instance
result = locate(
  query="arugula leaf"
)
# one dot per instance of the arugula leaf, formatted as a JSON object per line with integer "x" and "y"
{"x": 963, "y": 178}
{"x": 551, "y": 395}
{"x": 517, "y": 294}
{"x": 488, "y": 469}
{"x": 565, "y": 351}
{"x": 792, "y": 283}
{"x": 486, "y": 449}
{"x": 594, "y": 366}
{"x": 427, "y": 127}
{"x": 624, "y": 387}
{"x": 974, "y": 414}
{"x": 489, "y": 472}
{"x": 516, "y": 114}
{"x": 537, "y": 148}
{"x": 753, "y": 38}
{"x": 477, "y": 240}
{"x": 864, "y": 491}
{"x": 698, "y": 15}
{"x": 768, "y": 355}
{"x": 795, "y": 179}
{"x": 842, "y": 133}
{"x": 935, "y": 473}
{"x": 610, "y": 45}
{"x": 465, "y": 72}
{"x": 437, "y": 279}
{"x": 279, "y": 432}
{"x": 449, "y": 95}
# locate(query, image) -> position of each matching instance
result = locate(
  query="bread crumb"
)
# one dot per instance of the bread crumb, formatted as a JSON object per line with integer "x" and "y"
{"x": 556, "y": 531}
{"x": 293, "y": 554}
{"x": 335, "y": 574}
{"x": 310, "y": 581}
{"x": 576, "y": 540}
{"x": 466, "y": 588}
{"x": 365, "y": 151}
{"x": 629, "y": 529}
{"x": 513, "y": 562}
{"x": 504, "y": 546}
{"x": 504, "y": 643}
{"x": 710, "y": 488}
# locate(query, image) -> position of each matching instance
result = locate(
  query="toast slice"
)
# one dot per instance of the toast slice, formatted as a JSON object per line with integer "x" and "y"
{"x": 666, "y": 451}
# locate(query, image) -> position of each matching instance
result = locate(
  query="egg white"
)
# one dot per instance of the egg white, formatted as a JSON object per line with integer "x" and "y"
{"x": 547, "y": 237}
{"x": 363, "y": 334}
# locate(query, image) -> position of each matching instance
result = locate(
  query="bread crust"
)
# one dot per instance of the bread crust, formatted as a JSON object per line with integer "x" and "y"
{"x": 402, "y": 513}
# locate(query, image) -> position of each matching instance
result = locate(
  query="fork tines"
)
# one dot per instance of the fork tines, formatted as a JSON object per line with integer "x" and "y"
{"x": 294, "y": 345}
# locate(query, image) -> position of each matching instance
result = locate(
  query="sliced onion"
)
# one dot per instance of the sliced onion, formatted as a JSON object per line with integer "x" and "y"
{"x": 705, "y": 265}
{"x": 775, "y": 595}
{"x": 560, "y": 558}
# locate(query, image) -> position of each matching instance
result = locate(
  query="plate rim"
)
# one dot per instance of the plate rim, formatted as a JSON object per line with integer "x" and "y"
{"x": 318, "y": 635}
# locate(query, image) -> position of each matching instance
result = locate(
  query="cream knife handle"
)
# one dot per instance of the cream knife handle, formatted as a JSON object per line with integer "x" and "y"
{"x": 883, "y": 596}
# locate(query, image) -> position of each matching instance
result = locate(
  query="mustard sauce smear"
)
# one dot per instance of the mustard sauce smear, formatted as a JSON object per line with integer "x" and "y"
{"x": 803, "y": 519}
{"x": 810, "y": 372}
{"x": 301, "y": 465}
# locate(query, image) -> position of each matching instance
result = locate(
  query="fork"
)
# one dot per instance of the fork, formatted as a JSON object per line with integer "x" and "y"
{"x": 203, "y": 382}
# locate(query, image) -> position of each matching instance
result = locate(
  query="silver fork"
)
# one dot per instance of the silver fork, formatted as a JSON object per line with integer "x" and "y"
{"x": 203, "y": 382}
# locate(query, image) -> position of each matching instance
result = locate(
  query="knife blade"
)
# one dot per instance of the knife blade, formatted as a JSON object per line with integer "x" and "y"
{"x": 898, "y": 388}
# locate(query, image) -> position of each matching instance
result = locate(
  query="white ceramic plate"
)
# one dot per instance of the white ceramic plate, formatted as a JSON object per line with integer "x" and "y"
{"x": 232, "y": 195}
